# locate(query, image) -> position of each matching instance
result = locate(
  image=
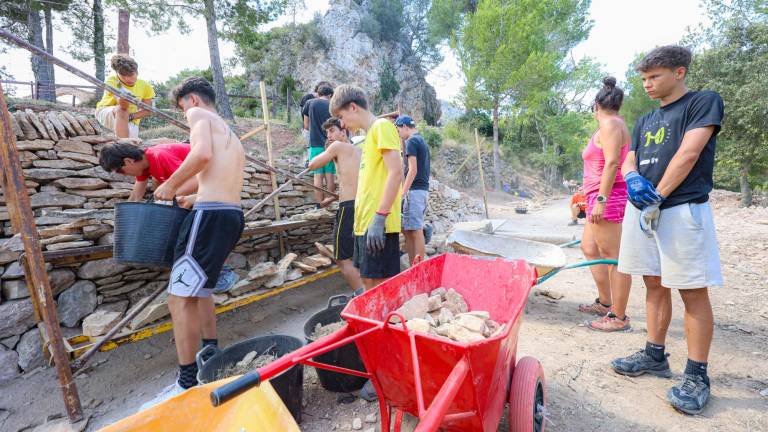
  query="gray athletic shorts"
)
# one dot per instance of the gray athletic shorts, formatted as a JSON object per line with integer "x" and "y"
{"x": 414, "y": 210}
{"x": 683, "y": 251}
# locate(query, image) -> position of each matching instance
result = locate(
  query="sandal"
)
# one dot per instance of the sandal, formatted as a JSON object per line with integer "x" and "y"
{"x": 595, "y": 308}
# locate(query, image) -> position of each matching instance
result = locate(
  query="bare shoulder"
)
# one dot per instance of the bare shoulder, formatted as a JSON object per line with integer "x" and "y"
{"x": 613, "y": 125}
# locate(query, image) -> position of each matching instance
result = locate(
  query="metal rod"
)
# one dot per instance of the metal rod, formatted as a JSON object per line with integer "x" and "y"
{"x": 434, "y": 416}
{"x": 264, "y": 200}
{"x": 482, "y": 176}
{"x": 77, "y": 365}
{"x": 129, "y": 97}
{"x": 23, "y": 222}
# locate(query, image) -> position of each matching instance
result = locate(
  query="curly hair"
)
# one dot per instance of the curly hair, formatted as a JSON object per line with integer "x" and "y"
{"x": 197, "y": 85}
{"x": 124, "y": 65}
{"x": 669, "y": 57}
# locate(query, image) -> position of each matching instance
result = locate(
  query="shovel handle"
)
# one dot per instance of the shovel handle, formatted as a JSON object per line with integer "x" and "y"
{"x": 234, "y": 388}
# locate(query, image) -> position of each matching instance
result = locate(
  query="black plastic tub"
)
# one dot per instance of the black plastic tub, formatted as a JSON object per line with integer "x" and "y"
{"x": 289, "y": 385}
{"x": 346, "y": 356}
{"x": 146, "y": 233}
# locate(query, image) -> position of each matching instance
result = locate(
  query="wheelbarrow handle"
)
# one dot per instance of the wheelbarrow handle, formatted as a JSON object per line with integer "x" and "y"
{"x": 234, "y": 388}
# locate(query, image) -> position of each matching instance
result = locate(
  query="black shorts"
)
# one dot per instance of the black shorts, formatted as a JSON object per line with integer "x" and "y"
{"x": 343, "y": 231}
{"x": 381, "y": 265}
{"x": 582, "y": 214}
{"x": 206, "y": 237}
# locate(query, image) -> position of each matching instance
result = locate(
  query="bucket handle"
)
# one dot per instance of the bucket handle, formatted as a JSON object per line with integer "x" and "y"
{"x": 151, "y": 200}
{"x": 342, "y": 300}
{"x": 206, "y": 349}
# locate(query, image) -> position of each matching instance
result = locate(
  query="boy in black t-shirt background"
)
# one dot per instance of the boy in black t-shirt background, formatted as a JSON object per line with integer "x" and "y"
{"x": 669, "y": 176}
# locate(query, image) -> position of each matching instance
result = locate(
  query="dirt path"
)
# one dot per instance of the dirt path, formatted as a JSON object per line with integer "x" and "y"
{"x": 583, "y": 394}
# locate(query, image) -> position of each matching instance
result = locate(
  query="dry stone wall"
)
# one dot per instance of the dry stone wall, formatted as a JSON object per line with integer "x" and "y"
{"x": 73, "y": 202}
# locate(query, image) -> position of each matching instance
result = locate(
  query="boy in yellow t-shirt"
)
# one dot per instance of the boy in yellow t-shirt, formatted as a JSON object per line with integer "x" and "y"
{"x": 377, "y": 202}
{"x": 116, "y": 113}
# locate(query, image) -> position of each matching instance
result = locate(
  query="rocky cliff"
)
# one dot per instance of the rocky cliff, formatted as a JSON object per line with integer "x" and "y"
{"x": 333, "y": 48}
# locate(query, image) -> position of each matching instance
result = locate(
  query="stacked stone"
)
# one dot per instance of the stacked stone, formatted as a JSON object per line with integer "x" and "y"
{"x": 446, "y": 206}
{"x": 73, "y": 201}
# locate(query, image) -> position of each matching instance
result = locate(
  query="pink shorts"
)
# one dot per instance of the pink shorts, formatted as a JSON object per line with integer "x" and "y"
{"x": 614, "y": 208}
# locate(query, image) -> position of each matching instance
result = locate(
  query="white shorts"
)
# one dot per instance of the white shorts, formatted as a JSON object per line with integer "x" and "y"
{"x": 106, "y": 117}
{"x": 683, "y": 251}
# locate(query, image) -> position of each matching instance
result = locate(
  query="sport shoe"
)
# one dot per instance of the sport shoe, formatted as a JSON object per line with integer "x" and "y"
{"x": 165, "y": 394}
{"x": 227, "y": 279}
{"x": 609, "y": 323}
{"x": 595, "y": 308}
{"x": 368, "y": 392}
{"x": 640, "y": 363}
{"x": 690, "y": 395}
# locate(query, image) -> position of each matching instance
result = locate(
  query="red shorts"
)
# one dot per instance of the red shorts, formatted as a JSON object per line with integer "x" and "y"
{"x": 614, "y": 207}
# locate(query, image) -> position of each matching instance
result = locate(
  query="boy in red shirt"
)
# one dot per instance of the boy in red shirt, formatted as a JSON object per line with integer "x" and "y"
{"x": 158, "y": 162}
{"x": 578, "y": 206}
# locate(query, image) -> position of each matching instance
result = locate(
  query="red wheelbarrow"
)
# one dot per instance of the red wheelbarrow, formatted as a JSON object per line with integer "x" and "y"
{"x": 448, "y": 385}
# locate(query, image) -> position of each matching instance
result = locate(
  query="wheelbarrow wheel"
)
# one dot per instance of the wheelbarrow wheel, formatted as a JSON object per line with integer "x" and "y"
{"x": 527, "y": 397}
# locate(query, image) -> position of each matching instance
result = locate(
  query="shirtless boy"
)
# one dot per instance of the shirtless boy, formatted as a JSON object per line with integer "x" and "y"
{"x": 347, "y": 159}
{"x": 210, "y": 231}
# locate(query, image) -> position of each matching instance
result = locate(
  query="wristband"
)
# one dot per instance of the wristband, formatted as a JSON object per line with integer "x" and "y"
{"x": 382, "y": 213}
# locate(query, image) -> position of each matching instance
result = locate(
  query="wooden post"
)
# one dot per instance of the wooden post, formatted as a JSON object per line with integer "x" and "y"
{"x": 288, "y": 105}
{"x": 270, "y": 159}
{"x": 23, "y": 222}
{"x": 482, "y": 176}
{"x": 123, "y": 24}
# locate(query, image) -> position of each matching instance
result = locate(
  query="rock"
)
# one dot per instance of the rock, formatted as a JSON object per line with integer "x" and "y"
{"x": 48, "y": 126}
{"x": 94, "y": 232}
{"x": 57, "y": 231}
{"x": 47, "y": 174}
{"x": 34, "y": 145}
{"x": 418, "y": 324}
{"x": 81, "y": 183}
{"x": 74, "y": 146}
{"x": 304, "y": 267}
{"x": 459, "y": 333}
{"x": 156, "y": 310}
{"x": 79, "y": 157}
{"x": 8, "y": 256}
{"x": 100, "y": 322}
{"x": 116, "y": 306}
{"x": 484, "y": 315}
{"x": 357, "y": 423}
{"x": 245, "y": 285}
{"x": 455, "y": 302}
{"x": 293, "y": 274}
{"x": 371, "y": 418}
{"x": 120, "y": 288}
{"x": 64, "y": 122}
{"x": 317, "y": 261}
{"x": 27, "y": 129}
{"x": 764, "y": 392}
{"x": 9, "y": 361}
{"x": 554, "y": 295}
{"x": 30, "y": 350}
{"x": 15, "y": 289}
{"x": 68, "y": 245}
{"x": 53, "y": 118}
{"x": 438, "y": 291}
{"x": 282, "y": 270}
{"x": 416, "y": 307}
{"x": 76, "y": 303}
{"x": 100, "y": 269}
{"x": 102, "y": 193}
{"x": 445, "y": 316}
{"x": 65, "y": 164}
{"x": 13, "y": 244}
{"x": 74, "y": 123}
{"x": 17, "y": 317}
{"x": 56, "y": 199}
{"x": 262, "y": 270}
{"x": 10, "y": 342}
{"x": 470, "y": 322}
{"x": 237, "y": 261}
{"x": 13, "y": 271}
{"x": 434, "y": 302}
{"x": 17, "y": 131}
{"x": 61, "y": 239}
{"x": 324, "y": 250}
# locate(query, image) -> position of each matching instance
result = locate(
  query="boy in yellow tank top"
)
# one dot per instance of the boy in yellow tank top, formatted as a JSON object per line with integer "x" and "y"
{"x": 116, "y": 113}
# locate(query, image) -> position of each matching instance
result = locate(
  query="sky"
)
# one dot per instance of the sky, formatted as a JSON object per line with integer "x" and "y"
{"x": 622, "y": 28}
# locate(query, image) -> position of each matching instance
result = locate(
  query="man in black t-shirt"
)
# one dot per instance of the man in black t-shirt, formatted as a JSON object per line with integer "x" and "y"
{"x": 668, "y": 235}
{"x": 315, "y": 113}
{"x": 415, "y": 186}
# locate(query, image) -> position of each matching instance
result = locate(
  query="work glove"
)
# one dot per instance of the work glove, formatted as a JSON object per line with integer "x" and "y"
{"x": 374, "y": 236}
{"x": 649, "y": 219}
{"x": 641, "y": 191}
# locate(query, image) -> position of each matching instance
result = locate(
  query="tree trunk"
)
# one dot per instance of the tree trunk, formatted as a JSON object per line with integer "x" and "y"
{"x": 49, "y": 46}
{"x": 98, "y": 43}
{"x": 39, "y": 66}
{"x": 496, "y": 152}
{"x": 222, "y": 101}
{"x": 746, "y": 191}
{"x": 123, "y": 25}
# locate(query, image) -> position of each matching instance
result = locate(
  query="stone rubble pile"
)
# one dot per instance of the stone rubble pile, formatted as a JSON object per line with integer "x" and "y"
{"x": 444, "y": 312}
{"x": 446, "y": 206}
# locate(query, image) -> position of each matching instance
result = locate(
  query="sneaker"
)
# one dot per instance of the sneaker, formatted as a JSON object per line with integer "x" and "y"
{"x": 640, "y": 363}
{"x": 609, "y": 323}
{"x": 165, "y": 394}
{"x": 690, "y": 395}
{"x": 595, "y": 308}
{"x": 368, "y": 392}
{"x": 227, "y": 279}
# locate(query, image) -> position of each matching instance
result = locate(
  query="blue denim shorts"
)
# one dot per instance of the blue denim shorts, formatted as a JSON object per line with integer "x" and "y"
{"x": 414, "y": 210}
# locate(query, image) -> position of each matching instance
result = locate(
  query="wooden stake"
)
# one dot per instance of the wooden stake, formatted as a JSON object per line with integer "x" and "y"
{"x": 482, "y": 176}
{"x": 270, "y": 160}
{"x": 264, "y": 200}
{"x": 23, "y": 222}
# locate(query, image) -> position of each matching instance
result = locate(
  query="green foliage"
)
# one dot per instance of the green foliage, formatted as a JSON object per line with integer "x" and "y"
{"x": 636, "y": 101}
{"x": 476, "y": 119}
{"x": 384, "y": 20}
{"x": 388, "y": 88}
{"x": 431, "y": 135}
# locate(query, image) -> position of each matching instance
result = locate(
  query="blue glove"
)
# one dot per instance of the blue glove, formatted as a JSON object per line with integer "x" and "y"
{"x": 374, "y": 236}
{"x": 641, "y": 191}
{"x": 649, "y": 219}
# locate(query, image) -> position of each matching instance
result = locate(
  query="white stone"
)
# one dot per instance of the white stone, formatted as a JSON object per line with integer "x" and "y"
{"x": 418, "y": 324}
{"x": 416, "y": 307}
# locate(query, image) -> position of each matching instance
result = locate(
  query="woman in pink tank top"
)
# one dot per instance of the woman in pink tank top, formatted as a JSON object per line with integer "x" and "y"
{"x": 606, "y": 194}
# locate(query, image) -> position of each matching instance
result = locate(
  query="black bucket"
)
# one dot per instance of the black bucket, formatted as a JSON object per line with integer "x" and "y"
{"x": 346, "y": 356}
{"x": 146, "y": 233}
{"x": 289, "y": 385}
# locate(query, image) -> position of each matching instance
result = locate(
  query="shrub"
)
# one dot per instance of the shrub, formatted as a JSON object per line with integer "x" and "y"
{"x": 431, "y": 135}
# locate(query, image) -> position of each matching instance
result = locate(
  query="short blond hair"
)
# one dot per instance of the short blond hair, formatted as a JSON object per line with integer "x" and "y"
{"x": 345, "y": 95}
